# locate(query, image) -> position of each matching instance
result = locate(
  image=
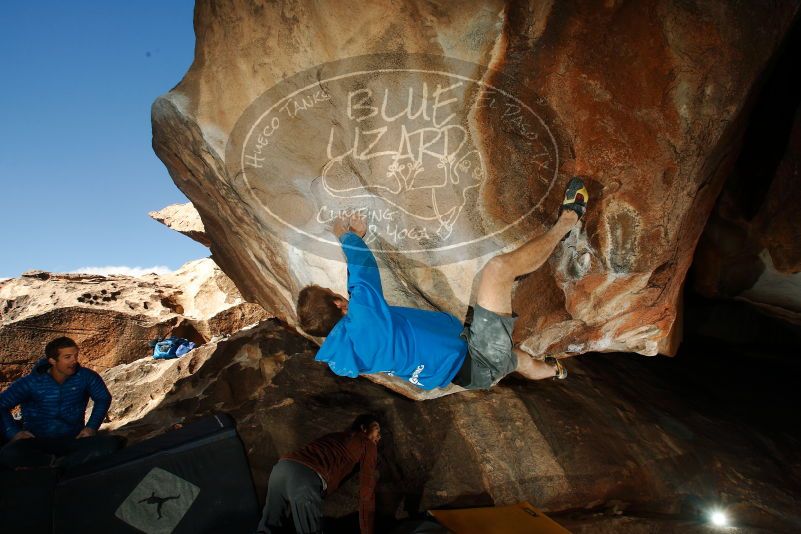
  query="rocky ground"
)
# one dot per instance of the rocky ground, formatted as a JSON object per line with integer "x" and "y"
{"x": 623, "y": 445}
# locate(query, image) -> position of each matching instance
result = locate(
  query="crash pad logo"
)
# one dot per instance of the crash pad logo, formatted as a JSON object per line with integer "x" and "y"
{"x": 158, "y": 503}
{"x": 399, "y": 140}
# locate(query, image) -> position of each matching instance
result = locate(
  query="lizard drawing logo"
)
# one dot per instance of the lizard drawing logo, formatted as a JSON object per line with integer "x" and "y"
{"x": 427, "y": 175}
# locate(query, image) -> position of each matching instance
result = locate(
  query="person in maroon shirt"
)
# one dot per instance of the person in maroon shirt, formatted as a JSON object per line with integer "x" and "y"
{"x": 300, "y": 480}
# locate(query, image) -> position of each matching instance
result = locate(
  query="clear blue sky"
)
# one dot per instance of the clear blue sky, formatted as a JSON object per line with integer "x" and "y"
{"x": 77, "y": 172}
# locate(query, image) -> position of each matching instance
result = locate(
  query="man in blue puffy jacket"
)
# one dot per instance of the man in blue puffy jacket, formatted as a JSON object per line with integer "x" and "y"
{"x": 53, "y": 398}
{"x": 430, "y": 349}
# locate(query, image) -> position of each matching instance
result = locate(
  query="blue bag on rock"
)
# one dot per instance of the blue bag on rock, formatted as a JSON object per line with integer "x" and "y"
{"x": 183, "y": 348}
{"x": 171, "y": 347}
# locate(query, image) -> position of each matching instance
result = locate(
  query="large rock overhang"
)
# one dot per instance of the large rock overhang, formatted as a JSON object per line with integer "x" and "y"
{"x": 281, "y": 122}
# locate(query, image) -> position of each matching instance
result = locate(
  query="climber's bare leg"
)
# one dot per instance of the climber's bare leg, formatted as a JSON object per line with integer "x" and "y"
{"x": 531, "y": 368}
{"x": 498, "y": 275}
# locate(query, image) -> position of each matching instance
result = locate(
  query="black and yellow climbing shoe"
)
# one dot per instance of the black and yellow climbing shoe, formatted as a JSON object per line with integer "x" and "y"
{"x": 576, "y": 197}
{"x": 561, "y": 370}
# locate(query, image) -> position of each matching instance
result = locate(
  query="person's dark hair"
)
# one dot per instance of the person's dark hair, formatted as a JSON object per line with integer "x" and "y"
{"x": 317, "y": 310}
{"x": 52, "y": 348}
{"x": 363, "y": 421}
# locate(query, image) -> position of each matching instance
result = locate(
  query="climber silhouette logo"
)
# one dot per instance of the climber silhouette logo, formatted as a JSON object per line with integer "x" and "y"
{"x": 401, "y": 140}
{"x": 158, "y": 501}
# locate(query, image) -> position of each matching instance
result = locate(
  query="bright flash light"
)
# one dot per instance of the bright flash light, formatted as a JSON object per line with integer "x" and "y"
{"x": 718, "y": 518}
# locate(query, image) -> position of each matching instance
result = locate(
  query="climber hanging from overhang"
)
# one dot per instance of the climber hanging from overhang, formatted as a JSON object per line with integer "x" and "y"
{"x": 431, "y": 349}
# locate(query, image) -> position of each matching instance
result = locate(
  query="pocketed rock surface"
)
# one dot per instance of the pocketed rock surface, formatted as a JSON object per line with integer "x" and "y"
{"x": 616, "y": 446}
{"x": 113, "y": 318}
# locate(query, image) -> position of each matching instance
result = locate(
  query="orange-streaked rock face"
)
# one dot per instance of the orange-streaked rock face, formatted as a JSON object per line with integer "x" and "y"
{"x": 454, "y": 129}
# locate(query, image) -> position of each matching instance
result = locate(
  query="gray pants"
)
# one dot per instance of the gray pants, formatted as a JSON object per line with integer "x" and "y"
{"x": 297, "y": 491}
{"x": 490, "y": 354}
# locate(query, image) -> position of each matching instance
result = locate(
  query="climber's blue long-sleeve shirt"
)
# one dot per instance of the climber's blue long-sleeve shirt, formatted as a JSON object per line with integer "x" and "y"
{"x": 53, "y": 410}
{"x": 420, "y": 346}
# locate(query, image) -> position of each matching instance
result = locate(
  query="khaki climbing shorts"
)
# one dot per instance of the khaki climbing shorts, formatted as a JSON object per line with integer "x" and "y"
{"x": 489, "y": 350}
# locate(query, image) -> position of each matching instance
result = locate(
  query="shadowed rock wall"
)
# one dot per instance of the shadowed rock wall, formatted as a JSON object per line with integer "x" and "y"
{"x": 751, "y": 247}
